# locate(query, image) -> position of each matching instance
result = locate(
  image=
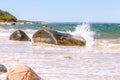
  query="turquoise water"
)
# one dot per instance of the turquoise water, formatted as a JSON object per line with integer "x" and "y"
{"x": 102, "y": 30}
{"x": 106, "y": 30}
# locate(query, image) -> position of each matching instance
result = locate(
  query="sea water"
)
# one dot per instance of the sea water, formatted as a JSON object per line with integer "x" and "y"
{"x": 98, "y": 60}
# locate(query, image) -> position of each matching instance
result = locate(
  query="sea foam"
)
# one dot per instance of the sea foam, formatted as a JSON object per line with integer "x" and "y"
{"x": 85, "y": 32}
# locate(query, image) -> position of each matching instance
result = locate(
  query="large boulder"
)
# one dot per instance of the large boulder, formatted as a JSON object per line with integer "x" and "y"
{"x": 3, "y": 69}
{"x": 19, "y": 35}
{"x": 22, "y": 72}
{"x": 54, "y": 37}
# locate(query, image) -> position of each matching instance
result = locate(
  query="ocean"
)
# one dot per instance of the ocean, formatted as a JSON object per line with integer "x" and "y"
{"x": 98, "y": 60}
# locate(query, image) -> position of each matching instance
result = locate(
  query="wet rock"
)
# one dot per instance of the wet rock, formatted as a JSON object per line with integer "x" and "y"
{"x": 54, "y": 37}
{"x": 3, "y": 69}
{"x": 47, "y": 27}
{"x": 19, "y": 35}
{"x": 22, "y": 72}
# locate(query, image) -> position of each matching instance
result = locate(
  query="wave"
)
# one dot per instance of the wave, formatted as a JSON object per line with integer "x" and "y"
{"x": 85, "y": 32}
{"x": 7, "y": 32}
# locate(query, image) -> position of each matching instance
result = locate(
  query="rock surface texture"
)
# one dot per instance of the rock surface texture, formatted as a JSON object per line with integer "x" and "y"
{"x": 3, "y": 69}
{"x": 19, "y": 35}
{"x": 22, "y": 72}
{"x": 54, "y": 37}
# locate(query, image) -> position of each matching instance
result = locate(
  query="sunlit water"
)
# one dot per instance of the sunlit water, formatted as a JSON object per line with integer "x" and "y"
{"x": 99, "y": 61}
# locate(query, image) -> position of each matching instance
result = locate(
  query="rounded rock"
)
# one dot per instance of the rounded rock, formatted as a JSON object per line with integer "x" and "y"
{"x": 3, "y": 69}
{"x": 19, "y": 35}
{"x": 22, "y": 72}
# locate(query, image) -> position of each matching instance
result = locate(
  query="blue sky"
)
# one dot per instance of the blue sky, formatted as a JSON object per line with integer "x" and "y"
{"x": 64, "y": 10}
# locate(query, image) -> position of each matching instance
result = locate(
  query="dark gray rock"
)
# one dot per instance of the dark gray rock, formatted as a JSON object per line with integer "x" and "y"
{"x": 19, "y": 35}
{"x": 3, "y": 69}
{"x": 54, "y": 37}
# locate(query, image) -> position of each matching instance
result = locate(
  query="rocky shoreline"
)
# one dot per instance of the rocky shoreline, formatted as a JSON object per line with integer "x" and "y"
{"x": 7, "y": 18}
{"x": 22, "y": 23}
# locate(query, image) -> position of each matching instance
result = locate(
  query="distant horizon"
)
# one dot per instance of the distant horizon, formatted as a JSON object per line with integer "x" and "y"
{"x": 64, "y": 10}
{"x": 69, "y": 21}
{"x": 72, "y": 22}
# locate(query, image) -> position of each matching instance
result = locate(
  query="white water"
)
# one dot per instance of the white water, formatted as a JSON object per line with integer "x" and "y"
{"x": 85, "y": 32}
{"x": 98, "y": 62}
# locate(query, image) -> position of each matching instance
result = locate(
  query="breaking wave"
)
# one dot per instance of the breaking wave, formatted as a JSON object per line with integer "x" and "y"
{"x": 85, "y": 32}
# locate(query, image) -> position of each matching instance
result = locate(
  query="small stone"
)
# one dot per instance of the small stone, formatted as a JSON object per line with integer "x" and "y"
{"x": 68, "y": 57}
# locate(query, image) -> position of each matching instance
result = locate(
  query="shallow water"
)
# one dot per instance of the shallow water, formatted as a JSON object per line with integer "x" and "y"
{"x": 99, "y": 61}
{"x": 52, "y": 62}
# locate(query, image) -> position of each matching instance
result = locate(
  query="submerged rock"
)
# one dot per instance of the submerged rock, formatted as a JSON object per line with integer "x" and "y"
{"x": 22, "y": 72}
{"x": 3, "y": 69}
{"x": 54, "y": 37}
{"x": 47, "y": 27}
{"x": 67, "y": 57}
{"x": 19, "y": 35}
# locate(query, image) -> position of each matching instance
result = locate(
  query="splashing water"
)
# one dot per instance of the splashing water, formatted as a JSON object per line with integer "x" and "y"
{"x": 85, "y": 32}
